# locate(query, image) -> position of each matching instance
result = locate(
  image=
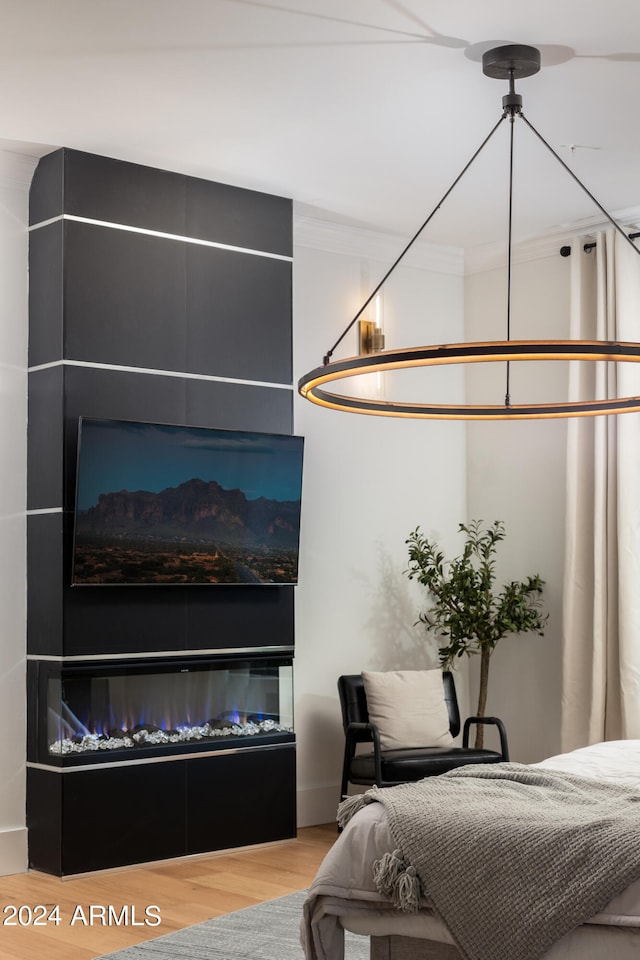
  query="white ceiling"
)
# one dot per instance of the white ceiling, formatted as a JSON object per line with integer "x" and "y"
{"x": 362, "y": 111}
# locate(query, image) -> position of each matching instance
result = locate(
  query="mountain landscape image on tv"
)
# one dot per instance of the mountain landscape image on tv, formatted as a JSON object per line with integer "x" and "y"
{"x": 161, "y": 504}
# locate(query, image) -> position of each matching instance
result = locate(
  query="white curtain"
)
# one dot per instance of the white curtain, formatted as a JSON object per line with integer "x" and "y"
{"x": 601, "y": 598}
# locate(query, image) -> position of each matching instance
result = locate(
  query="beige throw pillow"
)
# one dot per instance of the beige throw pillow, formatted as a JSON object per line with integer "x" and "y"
{"x": 408, "y": 708}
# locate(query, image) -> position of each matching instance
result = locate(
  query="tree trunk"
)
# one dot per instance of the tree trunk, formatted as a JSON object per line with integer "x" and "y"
{"x": 482, "y": 696}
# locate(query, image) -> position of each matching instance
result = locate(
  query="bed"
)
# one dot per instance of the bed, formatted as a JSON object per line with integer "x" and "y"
{"x": 346, "y": 896}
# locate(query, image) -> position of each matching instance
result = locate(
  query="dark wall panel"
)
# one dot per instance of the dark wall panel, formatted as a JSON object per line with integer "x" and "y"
{"x": 115, "y": 191}
{"x": 85, "y": 621}
{"x": 46, "y": 296}
{"x": 45, "y": 581}
{"x": 260, "y": 807}
{"x": 138, "y": 813}
{"x": 239, "y": 406}
{"x": 240, "y": 616}
{"x": 101, "y": 188}
{"x": 45, "y": 439}
{"x": 241, "y": 218}
{"x": 44, "y": 816}
{"x": 238, "y": 315}
{"x": 120, "y": 620}
{"x": 124, "y": 298}
{"x": 123, "y": 395}
{"x": 127, "y": 395}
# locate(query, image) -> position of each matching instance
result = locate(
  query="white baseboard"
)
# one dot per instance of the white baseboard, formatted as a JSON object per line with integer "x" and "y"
{"x": 318, "y": 804}
{"x": 13, "y": 851}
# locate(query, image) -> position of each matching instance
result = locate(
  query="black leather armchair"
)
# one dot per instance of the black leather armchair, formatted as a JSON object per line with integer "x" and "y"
{"x": 387, "y": 768}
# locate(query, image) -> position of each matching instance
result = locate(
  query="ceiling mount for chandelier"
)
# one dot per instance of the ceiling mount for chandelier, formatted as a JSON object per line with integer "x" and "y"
{"x": 510, "y": 62}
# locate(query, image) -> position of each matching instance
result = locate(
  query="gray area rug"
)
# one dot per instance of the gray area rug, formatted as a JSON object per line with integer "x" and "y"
{"x": 268, "y": 931}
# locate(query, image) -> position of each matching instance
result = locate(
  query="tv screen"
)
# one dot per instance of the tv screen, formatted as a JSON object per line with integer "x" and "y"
{"x": 161, "y": 504}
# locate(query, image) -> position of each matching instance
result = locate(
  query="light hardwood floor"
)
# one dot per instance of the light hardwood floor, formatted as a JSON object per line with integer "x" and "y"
{"x": 186, "y": 891}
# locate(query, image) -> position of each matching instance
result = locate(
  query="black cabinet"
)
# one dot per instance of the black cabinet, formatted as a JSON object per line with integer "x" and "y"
{"x": 240, "y": 798}
{"x": 94, "y": 819}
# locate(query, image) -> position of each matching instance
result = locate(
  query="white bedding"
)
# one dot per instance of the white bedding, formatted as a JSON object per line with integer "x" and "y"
{"x": 343, "y": 894}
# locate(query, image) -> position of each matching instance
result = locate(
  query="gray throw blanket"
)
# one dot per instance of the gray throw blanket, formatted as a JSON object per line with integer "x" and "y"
{"x": 511, "y": 857}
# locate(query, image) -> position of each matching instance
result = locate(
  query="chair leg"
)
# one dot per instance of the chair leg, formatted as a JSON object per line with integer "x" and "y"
{"x": 344, "y": 786}
{"x": 346, "y": 763}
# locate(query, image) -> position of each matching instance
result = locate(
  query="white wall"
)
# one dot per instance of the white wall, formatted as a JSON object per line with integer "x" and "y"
{"x": 15, "y": 176}
{"x": 516, "y": 473}
{"x": 368, "y": 481}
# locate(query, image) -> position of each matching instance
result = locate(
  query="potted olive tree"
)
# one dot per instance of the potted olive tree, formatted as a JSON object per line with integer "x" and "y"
{"x": 466, "y": 608}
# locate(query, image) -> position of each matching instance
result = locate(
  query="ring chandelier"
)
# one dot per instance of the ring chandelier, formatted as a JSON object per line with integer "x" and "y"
{"x": 510, "y": 62}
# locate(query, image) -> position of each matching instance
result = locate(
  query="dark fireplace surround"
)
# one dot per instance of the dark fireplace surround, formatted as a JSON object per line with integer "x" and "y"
{"x": 157, "y": 758}
{"x": 160, "y": 719}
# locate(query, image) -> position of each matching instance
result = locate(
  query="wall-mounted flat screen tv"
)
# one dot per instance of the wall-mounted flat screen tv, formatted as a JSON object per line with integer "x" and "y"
{"x": 161, "y": 504}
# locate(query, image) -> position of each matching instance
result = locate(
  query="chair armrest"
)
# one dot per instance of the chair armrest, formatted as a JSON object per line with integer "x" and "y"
{"x": 494, "y": 721}
{"x": 360, "y": 727}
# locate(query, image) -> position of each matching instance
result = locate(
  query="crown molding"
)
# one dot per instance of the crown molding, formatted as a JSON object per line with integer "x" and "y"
{"x": 360, "y": 242}
{"x": 373, "y": 245}
{"x": 493, "y": 256}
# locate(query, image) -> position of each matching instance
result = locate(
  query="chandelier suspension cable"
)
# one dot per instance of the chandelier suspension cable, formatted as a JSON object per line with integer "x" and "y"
{"x": 370, "y": 298}
{"x": 511, "y": 109}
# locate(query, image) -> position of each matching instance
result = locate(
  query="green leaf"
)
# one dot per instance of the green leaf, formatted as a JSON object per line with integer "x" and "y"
{"x": 465, "y": 608}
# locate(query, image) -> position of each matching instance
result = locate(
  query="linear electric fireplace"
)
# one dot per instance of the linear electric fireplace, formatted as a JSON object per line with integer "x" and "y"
{"x": 93, "y": 713}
